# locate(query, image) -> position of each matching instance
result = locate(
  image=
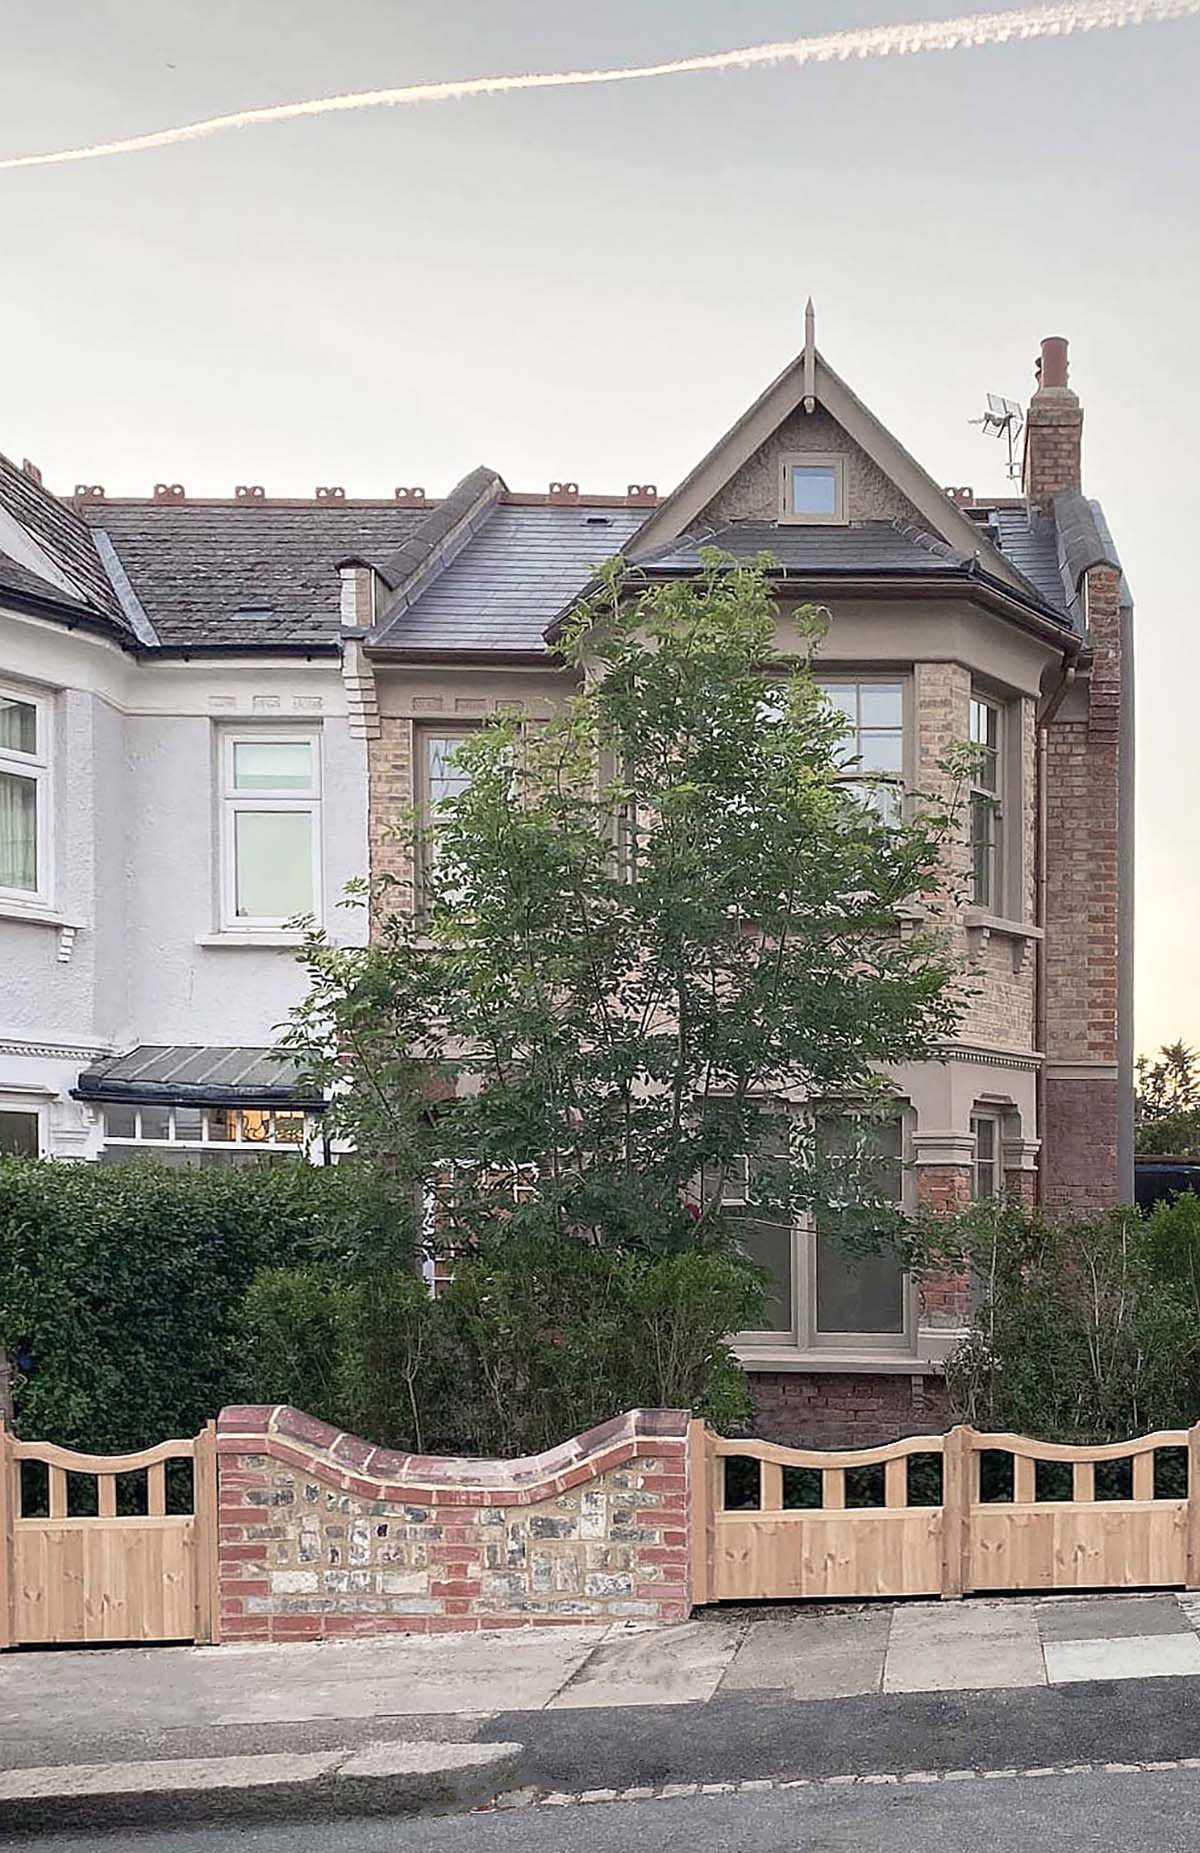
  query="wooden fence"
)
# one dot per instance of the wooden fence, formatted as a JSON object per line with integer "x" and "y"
{"x": 763, "y": 1542}
{"x": 101, "y": 1573}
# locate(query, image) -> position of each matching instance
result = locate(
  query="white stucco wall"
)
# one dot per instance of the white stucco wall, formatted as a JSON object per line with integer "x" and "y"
{"x": 115, "y": 958}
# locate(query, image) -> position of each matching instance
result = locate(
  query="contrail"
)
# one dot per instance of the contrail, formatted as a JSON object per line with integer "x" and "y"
{"x": 964, "y": 33}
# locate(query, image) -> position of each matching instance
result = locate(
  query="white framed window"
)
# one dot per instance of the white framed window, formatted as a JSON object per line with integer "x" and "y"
{"x": 24, "y": 798}
{"x": 812, "y": 488}
{"x": 986, "y": 818}
{"x": 20, "y": 1131}
{"x": 188, "y": 1136}
{"x": 824, "y": 1295}
{"x": 270, "y": 829}
{"x": 873, "y": 711}
{"x": 987, "y": 1179}
{"x": 439, "y": 779}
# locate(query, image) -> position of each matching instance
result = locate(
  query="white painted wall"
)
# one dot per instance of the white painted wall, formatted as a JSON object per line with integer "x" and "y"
{"x": 136, "y": 862}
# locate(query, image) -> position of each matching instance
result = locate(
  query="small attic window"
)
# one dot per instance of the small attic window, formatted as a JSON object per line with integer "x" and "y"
{"x": 598, "y": 521}
{"x": 250, "y": 612}
{"x": 812, "y": 488}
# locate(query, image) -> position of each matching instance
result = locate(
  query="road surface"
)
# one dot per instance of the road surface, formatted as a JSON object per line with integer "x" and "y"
{"x": 1158, "y": 1811}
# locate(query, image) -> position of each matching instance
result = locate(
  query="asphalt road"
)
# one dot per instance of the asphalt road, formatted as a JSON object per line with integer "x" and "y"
{"x": 1158, "y": 1811}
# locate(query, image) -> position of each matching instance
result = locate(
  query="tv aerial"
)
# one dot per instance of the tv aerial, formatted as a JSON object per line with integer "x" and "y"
{"x": 1004, "y": 418}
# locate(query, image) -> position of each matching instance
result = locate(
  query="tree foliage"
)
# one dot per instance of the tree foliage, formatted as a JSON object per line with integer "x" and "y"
{"x": 1082, "y": 1330}
{"x": 643, "y": 926}
{"x": 1167, "y": 1103}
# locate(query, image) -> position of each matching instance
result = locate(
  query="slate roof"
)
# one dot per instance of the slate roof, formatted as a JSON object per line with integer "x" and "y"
{"x": 523, "y": 565}
{"x": 190, "y": 1071}
{"x": 860, "y": 547}
{"x": 194, "y": 565}
{"x": 58, "y": 530}
{"x": 17, "y": 578}
{"x": 1032, "y": 546}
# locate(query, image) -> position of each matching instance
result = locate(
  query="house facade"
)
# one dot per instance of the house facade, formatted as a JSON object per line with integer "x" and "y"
{"x": 199, "y": 664}
{"x": 182, "y": 770}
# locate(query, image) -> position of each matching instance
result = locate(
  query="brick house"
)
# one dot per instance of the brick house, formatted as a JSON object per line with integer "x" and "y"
{"x": 1005, "y": 620}
{"x": 367, "y": 637}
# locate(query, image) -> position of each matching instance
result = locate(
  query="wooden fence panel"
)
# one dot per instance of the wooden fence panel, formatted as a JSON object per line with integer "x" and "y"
{"x": 107, "y": 1576}
{"x": 833, "y": 1550}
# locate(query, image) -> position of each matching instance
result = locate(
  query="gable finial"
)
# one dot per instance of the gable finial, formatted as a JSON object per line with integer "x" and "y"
{"x": 810, "y": 357}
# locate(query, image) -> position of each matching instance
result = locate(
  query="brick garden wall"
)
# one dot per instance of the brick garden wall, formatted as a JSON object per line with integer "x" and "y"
{"x": 322, "y": 1535}
{"x": 843, "y": 1409}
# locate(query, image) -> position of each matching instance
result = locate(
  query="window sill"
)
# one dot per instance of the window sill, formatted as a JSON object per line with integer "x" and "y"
{"x": 981, "y": 926}
{"x": 265, "y": 940}
{"x": 36, "y": 915}
{"x": 861, "y": 1363}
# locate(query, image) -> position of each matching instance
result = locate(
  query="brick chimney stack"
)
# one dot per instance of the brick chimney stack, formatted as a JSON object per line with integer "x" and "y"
{"x": 1053, "y": 429}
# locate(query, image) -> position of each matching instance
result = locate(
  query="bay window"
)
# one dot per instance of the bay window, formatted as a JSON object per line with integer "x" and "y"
{"x": 986, "y": 814}
{"x": 825, "y": 1292}
{"x": 271, "y": 829}
{"x": 874, "y": 743}
{"x": 24, "y": 798}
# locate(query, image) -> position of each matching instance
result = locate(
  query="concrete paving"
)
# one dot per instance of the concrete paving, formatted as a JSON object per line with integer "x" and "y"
{"x": 813, "y": 1656}
{"x": 963, "y": 1647}
{"x": 393, "y": 1778}
{"x": 1097, "y": 1618}
{"x": 449, "y": 1685}
{"x": 674, "y": 1666}
{"x": 1128, "y": 1656}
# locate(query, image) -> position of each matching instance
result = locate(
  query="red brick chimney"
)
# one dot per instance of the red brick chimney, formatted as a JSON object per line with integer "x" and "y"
{"x": 1053, "y": 429}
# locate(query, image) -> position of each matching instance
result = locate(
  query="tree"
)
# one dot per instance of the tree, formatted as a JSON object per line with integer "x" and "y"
{"x": 642, "y": 933}
{"x": 1167, "y": 1102}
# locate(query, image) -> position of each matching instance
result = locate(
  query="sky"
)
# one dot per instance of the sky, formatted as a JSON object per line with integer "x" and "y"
{"x": 591, "y": 284}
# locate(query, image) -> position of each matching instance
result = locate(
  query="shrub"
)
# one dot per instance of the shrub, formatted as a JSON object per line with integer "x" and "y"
{"x": 1082, "y": 1330}
{"x": 121, "y": 1286}
{"x": 534, "y": 1340}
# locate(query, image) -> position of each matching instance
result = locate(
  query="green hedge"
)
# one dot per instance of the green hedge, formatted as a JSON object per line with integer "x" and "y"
{"x": 120, "y": 1285}
{"x": 534, "y": 1339}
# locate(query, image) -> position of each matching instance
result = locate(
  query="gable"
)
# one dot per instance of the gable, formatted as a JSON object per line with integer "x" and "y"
{"x": 808, "y": 407}
{"x": 752, "y": 492}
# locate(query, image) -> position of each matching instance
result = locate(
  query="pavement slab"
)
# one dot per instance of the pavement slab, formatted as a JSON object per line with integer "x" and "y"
{"x": 1098, "y": 1618}
{"x": 812, "y": 1656}
{"x": 1147, "y": 1656}
{"x": 963, "y": 1647}
{"x": 674, "y": 1666}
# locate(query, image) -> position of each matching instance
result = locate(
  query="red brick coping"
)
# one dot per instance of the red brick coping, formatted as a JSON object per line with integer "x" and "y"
{"x": 356, "y": 1466}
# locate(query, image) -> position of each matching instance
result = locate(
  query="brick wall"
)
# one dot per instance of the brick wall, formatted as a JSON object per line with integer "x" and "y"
{"x": 322, "y": 1535}
{"x": 1079, "y": 1158}
{"x": 1083, "y": 924}
{"x": 843, "y": 1409}
{"x": 391, "y": 795}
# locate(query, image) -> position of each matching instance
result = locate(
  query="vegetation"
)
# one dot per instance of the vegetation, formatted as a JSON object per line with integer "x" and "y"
{"x": 641, "y": 928}
{"x": 533, "y": 1340}
{"x": 1083, "y": 1330}
{"x": 1167, "y": 1106}
{"x": 121, "y": 1285}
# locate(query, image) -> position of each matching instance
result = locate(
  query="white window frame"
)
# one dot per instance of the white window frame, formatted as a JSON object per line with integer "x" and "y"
{"x": 862, "y": 775}
{"x": 31, "y": 1107}
{"x": 804, "y": 1338}
{"x": 994, "y": 903}
{"x": 813, "y": 460}
{"x": 234, "y": 802}
{"x": 295, "y": 1148}
{"x": 35, "y": 766}
{"x": 425, "y": 733}
{"x": 983, "y": 1116}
